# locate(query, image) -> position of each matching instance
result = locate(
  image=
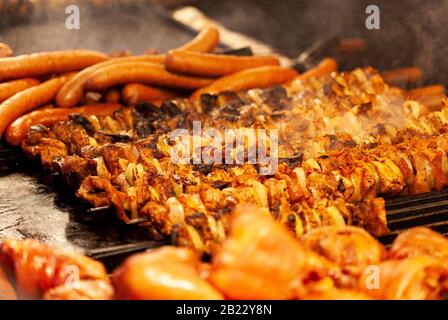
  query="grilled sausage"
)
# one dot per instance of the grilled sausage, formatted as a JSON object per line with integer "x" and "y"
{"x": 143, "y": 72}
{"x": 134, "y": 93}
{"x": 72, "y": 92}
{"x": 326, "y": 66}
{"x": 205, "y": 41}
{"x": 403, "y": 77}
{"x": 213, "y": 65}
{"x": 38, "y": 64}
{"x": 426, "y": 91}
{"x": 261, "y": 77}
{"x": 10, "y": 88}
{"x": 28, "y": 100}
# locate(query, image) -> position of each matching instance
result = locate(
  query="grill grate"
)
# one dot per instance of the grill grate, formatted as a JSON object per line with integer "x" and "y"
{"x": 428, "y": 210}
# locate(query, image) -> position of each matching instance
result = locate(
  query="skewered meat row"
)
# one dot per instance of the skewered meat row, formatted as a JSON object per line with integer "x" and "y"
{"x": 304, "y": 197}
{"x": 190, "y": 202}
{"x": 309, "y": 112}
{"x": 336, "y": 188}
{"x": 353, "y": 102}
{"x": 258, "y": 260}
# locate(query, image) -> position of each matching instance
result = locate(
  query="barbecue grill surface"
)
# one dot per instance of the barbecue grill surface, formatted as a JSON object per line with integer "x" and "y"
{"x": 36, "y": 204}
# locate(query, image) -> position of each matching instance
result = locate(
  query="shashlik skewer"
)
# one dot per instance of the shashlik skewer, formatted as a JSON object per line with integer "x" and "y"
{"x": 119, "y": 162}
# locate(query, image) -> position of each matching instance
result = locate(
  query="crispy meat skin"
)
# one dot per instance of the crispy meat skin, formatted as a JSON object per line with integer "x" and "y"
{"x": 260, "y": 262}
{"x": 38, "y": 268}
{"x": 165, "y": 273}
{"x": 351, "y": 248}
{"x": 83, "y": 290}
{"x": 259, "y": 259}
{"x": 344, "y": 141}
{"x": 417, "y": 242}
{"x": 418, "y": 278}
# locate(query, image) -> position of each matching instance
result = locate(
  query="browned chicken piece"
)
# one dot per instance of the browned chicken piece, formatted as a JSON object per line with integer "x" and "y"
{"x": 36, "y": 267}
{"x": 351, "y": 248}
{"x": 82, "y": 290}
{"x": 167, "y": 273}
{"x": 260, "y": 259}
{"x": 418, "y": 242}
{"x": 418, "y": 278}
{"x": 6, "y": 290}
{"x": 337, "y": 294}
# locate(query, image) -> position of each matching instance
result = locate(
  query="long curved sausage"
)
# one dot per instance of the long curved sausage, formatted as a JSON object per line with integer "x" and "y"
{"x": 261, "y": 77}
{"x": 10, "y": 88}
{"x": 39, "y": 64}
{"x": 28, "y": 100}
{"x": 436, "y": 89}
{"x": 213, "y": 65}
{"x": 205, "y": 41}
{"x": 5, "y": 50}
{"x": 403, "y": 76}
{"x": 326, "y": 66}
{"x": 17, "y": 131}
{"x": 142, "y": 72}
{"x": 134, "y": 93}
{"x": 72, "y": 92}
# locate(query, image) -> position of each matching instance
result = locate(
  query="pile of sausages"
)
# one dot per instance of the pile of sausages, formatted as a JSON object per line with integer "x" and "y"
{"x": 60, "y": 83}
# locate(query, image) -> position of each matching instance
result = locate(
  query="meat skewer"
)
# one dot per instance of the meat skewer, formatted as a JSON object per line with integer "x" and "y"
{"x": 295, "y": 195}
